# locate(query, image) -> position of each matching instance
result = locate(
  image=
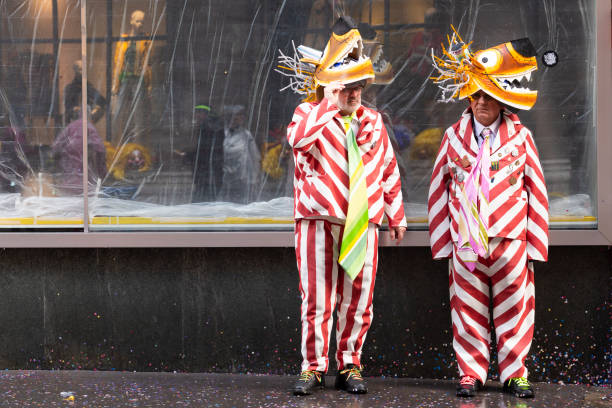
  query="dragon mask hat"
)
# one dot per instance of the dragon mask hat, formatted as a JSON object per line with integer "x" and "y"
{"x": 344, "y": 60}
{"x": 502, "y": 72}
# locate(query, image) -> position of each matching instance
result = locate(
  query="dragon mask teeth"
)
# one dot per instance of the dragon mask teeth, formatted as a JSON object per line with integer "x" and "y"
{"x": 503, "y": 71}
{"x": 383, "y": 71}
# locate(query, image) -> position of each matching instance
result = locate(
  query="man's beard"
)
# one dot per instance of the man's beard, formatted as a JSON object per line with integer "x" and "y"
{"x": 349, "y": 107}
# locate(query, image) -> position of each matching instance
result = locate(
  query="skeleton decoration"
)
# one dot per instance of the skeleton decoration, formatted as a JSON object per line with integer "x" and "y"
{"x": 503, "y": 71}
{"x": 343, "y": 60}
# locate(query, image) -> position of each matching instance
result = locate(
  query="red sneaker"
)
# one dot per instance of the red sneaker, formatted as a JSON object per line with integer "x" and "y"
{"x": 468, "y": 386}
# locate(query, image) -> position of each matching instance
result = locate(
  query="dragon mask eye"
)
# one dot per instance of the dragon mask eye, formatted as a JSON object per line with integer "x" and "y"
{"x": 489, "y": 59}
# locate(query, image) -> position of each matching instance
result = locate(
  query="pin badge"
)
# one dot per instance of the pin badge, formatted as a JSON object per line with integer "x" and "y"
{"x": 465, "y": 162}
{"x": 517, "y": 163}
{"x": 460, "y": 177}
{"x": 514, "y": 152}
{"x": 512, "y": 180}
{"x": 495, "y": 165}
{"x": 499, "y": 154}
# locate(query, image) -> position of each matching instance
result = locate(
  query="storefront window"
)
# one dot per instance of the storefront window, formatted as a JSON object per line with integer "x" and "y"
{"x": 38, "y": 187}
{"x": 186, "y": 121}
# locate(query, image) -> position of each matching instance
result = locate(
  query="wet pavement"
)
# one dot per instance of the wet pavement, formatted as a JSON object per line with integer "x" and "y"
{"x": 125, "y": 389}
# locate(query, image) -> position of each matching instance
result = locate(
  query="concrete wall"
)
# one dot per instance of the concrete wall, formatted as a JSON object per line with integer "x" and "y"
{"x": 237, "y": 310}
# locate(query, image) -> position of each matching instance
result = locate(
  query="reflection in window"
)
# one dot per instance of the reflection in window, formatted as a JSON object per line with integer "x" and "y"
{"x": 35, "y": 188}
{"x": 186, "y": 124}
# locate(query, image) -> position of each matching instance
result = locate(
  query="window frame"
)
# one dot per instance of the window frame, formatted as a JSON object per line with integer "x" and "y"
{"x": 84, "y": 238}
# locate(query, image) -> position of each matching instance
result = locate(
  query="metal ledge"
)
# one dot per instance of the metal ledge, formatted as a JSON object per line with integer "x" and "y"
{"x": 268, "y": 239}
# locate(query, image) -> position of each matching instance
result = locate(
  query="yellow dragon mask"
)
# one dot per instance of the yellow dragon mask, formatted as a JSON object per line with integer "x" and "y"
{"x": 503, "y": 72}
{"x": 344, "y": 59}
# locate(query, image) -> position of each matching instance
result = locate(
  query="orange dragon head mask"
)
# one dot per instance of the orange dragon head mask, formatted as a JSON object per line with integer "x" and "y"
{"x": 503, "y": 72}
{"x": 344, "y": 59}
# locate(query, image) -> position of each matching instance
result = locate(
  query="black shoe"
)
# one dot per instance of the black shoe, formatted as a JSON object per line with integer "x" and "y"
{"x": 309, "y": 380}
{"x": 468, "y": 386}
{"x": 519, "y": 387}
{"x": 350, "y": 380}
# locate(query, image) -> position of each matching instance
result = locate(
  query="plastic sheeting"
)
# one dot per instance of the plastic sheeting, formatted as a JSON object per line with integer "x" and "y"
{"x": 186, "y": 121}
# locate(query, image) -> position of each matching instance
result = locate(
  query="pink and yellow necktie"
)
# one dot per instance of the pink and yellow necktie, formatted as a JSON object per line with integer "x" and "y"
{"x": 473, "y": 223}
{"x": 355, "y": 238}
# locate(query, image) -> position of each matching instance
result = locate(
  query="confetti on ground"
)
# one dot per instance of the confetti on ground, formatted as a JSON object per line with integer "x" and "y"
{"x": 125, "y": 389}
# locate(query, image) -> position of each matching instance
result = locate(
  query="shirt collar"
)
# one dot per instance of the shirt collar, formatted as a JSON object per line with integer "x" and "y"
{"x": 478, "y": 127}
{"x": 346, "y": 120}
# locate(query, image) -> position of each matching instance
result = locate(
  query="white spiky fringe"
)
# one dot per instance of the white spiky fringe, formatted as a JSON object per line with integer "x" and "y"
{"x": 455, "y": 80}
{"x": 300, "y": 74}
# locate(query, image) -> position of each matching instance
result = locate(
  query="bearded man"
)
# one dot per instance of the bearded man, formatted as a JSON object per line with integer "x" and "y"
{"x": 346, "y": 180}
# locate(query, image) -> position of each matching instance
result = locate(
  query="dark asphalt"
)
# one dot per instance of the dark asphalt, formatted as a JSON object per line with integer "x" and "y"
{"x": 125, "y": 389}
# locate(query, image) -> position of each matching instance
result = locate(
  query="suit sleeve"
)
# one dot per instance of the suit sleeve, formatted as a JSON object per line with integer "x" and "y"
{"x": 308, "y": 122}
{"x": 537, "y": 211}
{"x": 391, "y": 183}
{"x": 439, "y": 216}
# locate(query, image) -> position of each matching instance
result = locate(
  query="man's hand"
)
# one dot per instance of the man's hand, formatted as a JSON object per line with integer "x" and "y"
{"x": 332, "y": 91}
{"x": 397, "y": 233}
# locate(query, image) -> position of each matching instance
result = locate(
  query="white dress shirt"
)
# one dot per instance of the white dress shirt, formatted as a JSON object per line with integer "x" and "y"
{"x": 479, "y": 127}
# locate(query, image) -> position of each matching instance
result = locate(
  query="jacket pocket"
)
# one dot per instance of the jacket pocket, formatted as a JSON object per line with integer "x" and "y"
{"x": 317, "y": 189}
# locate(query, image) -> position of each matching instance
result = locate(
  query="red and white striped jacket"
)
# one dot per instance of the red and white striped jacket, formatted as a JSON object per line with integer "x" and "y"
{"x": 321, "y": 181}
{"x": 518, "y": 201}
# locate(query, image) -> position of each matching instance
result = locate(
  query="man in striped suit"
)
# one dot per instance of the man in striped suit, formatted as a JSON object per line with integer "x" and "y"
{"x": 319, "y": 134}
{"x": 488, "y": 213}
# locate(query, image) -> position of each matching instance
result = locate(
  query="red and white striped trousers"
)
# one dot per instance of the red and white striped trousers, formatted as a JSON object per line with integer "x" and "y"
{"x": 509, "y": 276}
{"x": 324, "y": 285}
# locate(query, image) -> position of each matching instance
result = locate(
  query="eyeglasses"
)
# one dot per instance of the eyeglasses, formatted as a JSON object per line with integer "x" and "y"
{"x": 356, "y": 89}
{"x": 478, "y": 95}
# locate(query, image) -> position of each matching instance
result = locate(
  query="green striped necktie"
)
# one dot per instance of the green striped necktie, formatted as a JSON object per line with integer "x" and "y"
{"x": 355, "y": 238}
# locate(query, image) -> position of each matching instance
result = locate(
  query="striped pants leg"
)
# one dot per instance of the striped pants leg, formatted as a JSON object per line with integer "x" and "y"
{"x": 509, "y": 277}
{"x": 324, "y": 285}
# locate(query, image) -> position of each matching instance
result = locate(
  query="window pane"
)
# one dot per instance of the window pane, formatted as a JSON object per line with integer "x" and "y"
{"x": 193, "y": 132}
{"x": 39, "y": 188}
